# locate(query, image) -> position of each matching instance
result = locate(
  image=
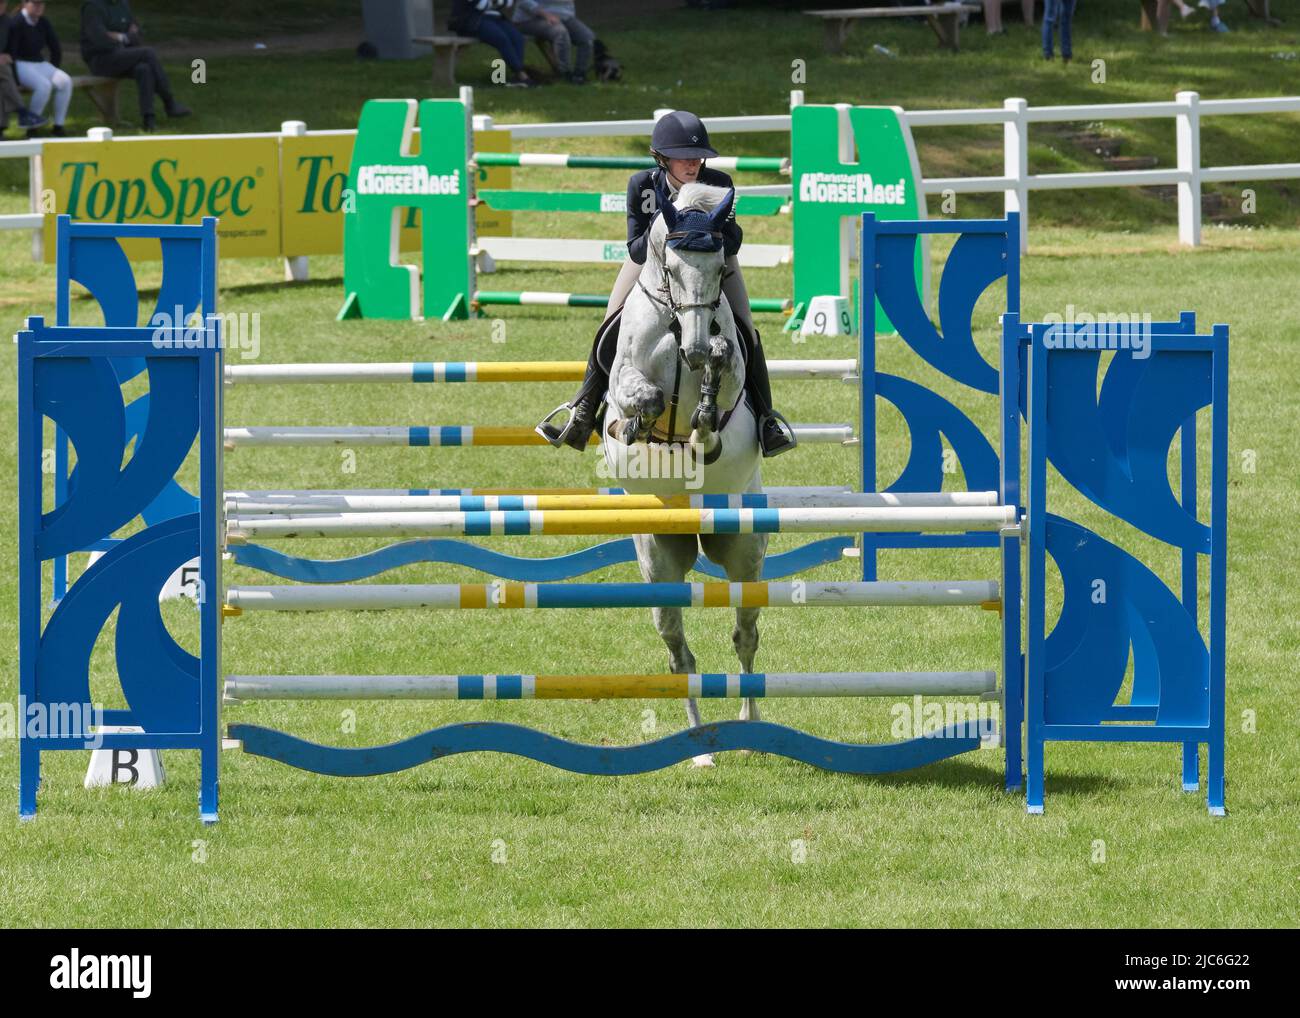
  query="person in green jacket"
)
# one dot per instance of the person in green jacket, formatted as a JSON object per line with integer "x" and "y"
{"x": 111, "y": 46}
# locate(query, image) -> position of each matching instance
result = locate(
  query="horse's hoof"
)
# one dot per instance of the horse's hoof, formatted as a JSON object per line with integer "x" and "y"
{"x": 703, "y": 760}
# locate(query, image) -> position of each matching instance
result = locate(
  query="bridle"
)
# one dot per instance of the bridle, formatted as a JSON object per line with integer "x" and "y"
{"x": 669, "y": 302}
{"x": 709, "y": 386}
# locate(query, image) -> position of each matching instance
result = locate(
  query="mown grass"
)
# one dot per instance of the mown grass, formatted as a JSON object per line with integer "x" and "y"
{"x": 490, "y": 841}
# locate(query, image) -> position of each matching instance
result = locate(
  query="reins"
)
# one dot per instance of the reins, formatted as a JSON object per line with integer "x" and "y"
{"x": 666, "y": 300}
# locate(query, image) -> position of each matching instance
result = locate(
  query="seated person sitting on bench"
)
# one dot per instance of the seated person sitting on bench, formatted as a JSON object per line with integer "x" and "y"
{"x": 10, "y": 99}
{"x": 679, "y": 144}
{"x": 556, "y": 22}
{"x": 489, "y": 20}
{"x": 30, "y": 36}
{"x": 110, "y": 45}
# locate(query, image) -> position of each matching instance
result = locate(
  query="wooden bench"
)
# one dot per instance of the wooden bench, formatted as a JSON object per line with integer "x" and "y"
{"x": 102, "y": 92}
{"x": 453, "y": 44}
{"x": 447, "y": 46}
{"x": 943, "y": 18}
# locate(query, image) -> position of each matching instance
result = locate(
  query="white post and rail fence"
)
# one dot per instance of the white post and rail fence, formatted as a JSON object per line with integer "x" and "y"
{"x": 1016, "y": 182}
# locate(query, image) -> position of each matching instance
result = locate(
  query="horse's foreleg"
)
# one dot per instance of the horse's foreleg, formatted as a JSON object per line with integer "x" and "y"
{"x": 742, "y": 558}
{"x": 704, "y": 421}
{"x": 744, "y": 637}
{"x": 642, "y": 403}
{"x": 666, "y": 558}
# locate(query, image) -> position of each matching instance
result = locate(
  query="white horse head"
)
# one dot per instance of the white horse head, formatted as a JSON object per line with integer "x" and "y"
{"x": 679, "y": 360}
{"x": 685, "y": 253}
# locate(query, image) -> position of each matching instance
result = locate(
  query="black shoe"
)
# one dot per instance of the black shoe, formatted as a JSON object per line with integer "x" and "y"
{"x": 577, "y": 78}
{"x": 26, "y": 118}
{"x": 175, "y": 109}
{"x": 775, "y": 435}
{"x": 59, "y": 131}
{"x": 150, "y": 124}
{"x": 576, "y": 431}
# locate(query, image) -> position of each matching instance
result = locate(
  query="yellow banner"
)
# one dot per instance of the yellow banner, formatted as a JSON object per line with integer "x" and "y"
{"x": 273, "y": 196}
{"x": 169, "y": 182}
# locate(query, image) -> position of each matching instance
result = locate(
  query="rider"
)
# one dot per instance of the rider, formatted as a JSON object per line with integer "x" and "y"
{"x": 679, "y": 144}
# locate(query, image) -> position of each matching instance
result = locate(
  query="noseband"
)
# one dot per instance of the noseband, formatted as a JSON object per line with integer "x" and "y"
{"x": 667, "y": 300}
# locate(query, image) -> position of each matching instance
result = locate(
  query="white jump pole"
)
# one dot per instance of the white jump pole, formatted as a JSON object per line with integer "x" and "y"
{"x": 247, "y": 506}
{"x": 481, "y": 371}
{"x": 584, "y": 687}
{"x": 265, "y": 436}
{"x": 629, "y": 521}
{"x": 794, "y": 594}
{"x": 309, "y": 495}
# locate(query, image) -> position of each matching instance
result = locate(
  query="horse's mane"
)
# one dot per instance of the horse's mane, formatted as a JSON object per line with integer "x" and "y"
{"x": 704, "y": 197}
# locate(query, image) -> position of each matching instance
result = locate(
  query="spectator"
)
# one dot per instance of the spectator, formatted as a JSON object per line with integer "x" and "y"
{"x": 1215, "y": 24}
{"x": 110, "y": 45}
{"x": 30, "y": 36}
{"x": 1185, "y": 11}
{"x": 556, "y": 22}
{"x": 993, "y": 17}
{"x": 489, "y": 20}
{"x": 10, "y": 100}
{"x": 1058, "y": 12}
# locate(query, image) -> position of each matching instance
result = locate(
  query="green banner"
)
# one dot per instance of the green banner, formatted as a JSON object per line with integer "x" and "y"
{"x": 847, "y": 160}
{"x": 382, "y": 181}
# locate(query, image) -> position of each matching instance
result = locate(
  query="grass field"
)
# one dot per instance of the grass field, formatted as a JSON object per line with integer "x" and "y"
{"x": 756, "y": 841}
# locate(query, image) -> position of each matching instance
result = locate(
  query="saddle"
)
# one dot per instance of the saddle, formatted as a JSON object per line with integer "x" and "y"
{"x": 606, "y": 343}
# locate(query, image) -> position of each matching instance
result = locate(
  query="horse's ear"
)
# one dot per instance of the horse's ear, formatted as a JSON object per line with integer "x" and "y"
{"x": 723, "y": 212}
{"x": 670, "y": 215}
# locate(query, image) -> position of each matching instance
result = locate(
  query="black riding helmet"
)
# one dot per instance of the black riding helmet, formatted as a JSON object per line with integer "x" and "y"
{"x": 681, "y": 135}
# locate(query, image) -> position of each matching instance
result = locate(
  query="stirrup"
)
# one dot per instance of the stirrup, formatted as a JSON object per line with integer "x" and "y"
{"x": 553, "y": 433}
{"x": 575, "y": 432}
{"x": 787, "y": 441}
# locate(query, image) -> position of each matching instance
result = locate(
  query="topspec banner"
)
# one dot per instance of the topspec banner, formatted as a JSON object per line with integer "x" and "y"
{"x": 170, "y": 182}
{"x": 274, "y": 195}
{"x": 847, "y": 160}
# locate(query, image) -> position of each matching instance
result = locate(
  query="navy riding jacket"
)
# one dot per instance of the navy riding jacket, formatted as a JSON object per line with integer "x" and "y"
{"x": 647, "y": 191}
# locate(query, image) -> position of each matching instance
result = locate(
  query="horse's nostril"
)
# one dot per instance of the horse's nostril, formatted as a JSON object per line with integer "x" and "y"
{"x": 714, "y": 328}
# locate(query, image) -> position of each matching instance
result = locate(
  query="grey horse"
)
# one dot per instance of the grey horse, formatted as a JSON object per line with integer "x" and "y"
{"x": 677, "y": 421}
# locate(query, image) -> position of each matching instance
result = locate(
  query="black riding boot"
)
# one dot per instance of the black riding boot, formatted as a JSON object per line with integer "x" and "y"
{"x": 774, "y": 433}
{"x": 585, "y": 408}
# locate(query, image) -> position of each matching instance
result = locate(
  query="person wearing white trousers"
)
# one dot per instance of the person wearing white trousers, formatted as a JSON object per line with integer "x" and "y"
{"x": 37, "y": 54}
{"x": 44, "y": 79}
